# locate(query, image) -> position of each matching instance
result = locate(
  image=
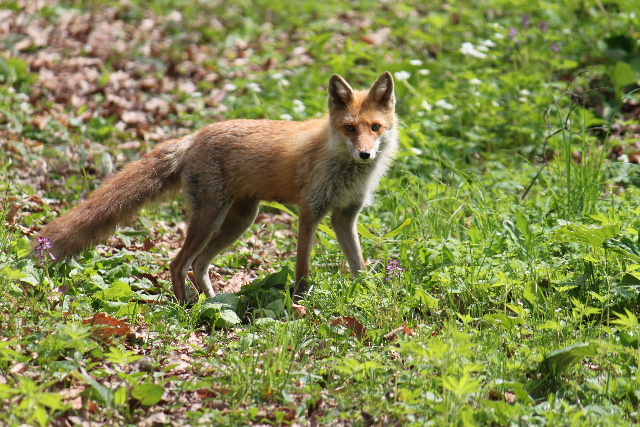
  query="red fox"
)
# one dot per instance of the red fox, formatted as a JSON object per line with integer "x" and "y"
{"x": 225, "y": 169}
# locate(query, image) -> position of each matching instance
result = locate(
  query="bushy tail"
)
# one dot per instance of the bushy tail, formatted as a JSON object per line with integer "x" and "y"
{"x": 117, "y": 200}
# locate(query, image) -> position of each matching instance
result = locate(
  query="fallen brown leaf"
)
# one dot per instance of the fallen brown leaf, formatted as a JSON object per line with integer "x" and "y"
{"x": 106, "y": 327}
{"x": 299, "y": 311}
{"x": 357, "y": 329}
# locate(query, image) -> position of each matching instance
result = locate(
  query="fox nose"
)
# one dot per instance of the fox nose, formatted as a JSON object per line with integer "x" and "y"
{"x": 364, "y": 155}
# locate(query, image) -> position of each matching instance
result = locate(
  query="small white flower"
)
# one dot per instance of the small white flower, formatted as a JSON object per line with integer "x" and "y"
{"x": 254, "y": 87}
{"x": 475, "y": 82}
{"x": 230, "y": 87}
{"x": 424, "y": 72}
{"x": 402, "y": 75}
{"x": 499, "y": 36}
{"x": 416, "y": 62}
{"x": 416, "y": 151}
{"x": 298, "y": 106}
{"x": 488, "y": 43}
{"x": 483, "y": 48}
{"x": 495, "y": 103}
{"x": 443, "y": 104}
{"x": 277, "y": 76}
{"x": 524, "y": 92}
{"x": 624, "y": 158}
{"x": 284, "y": 82}
{"x": 523, "y": 99}
{"x": 469, "y": 49}
{"x": 286, "y": 117}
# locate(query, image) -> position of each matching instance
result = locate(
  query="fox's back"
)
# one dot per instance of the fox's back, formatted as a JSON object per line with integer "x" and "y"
{"x": 259, "y": 159}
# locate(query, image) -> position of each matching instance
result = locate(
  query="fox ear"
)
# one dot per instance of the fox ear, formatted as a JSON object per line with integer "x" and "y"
{"x": 381, "y": 91}
{"x": 340, "y": 93}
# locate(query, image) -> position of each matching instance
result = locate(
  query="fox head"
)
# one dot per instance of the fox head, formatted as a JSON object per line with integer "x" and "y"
{"x": 360, "y": 120}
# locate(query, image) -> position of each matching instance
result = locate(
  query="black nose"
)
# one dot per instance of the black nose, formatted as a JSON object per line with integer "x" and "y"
{"x": 364, "y": 155}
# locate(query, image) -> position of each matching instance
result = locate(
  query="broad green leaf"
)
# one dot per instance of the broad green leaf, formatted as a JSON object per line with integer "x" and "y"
{"x": 623, "y": 75}
{"x": 559, "y": 360}
{"x": 118, "y": 291}
{"x": 534, "y": 294}
{"x": 550, "y": 325}
{"x": 276, "y": 306}
{"x": 504, "y": 320}
{"x": 120, "y": 396}
{"x": 227, "y": 319}
{"x": 628, "y": 340}
{"x": 475, "y": 235}
{"x": 227, "y": 299}
{"x": 629, "y": 280}
{"x": 589, "y": 234}
{"x": 625, "y": 247}
{"x": 148, "y": 394}
{"x": 425, "y": 298}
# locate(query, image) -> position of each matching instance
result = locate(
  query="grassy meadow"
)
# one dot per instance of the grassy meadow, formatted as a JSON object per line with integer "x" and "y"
{"x": 503, "y": 247}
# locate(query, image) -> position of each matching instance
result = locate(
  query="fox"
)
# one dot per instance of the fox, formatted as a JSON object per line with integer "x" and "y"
{"x": 226, "y": 169}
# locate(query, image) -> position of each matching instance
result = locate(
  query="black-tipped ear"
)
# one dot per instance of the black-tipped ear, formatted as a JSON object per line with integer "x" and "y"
{"x": 381, "y": 91}
{"x": 340, "y": 93}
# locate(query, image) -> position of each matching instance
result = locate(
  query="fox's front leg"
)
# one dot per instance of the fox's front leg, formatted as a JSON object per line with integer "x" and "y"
{"x": 306, "y": 239}
{"x": 345, "y": 224}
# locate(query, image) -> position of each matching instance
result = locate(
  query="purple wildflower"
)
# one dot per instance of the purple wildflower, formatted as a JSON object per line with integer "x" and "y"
{"x": 394, "y": 269}
{"x": 526, "y": 21}
{"x": 555, "y": 47}
{"x": 44, "y": 248}
{"x": 544, "y": 26}
{"x": 513, "y": 32}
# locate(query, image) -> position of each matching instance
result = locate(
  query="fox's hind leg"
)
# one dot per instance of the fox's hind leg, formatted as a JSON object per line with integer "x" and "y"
{"x": 239, "y": 217}
{"x": 205, "y": 220}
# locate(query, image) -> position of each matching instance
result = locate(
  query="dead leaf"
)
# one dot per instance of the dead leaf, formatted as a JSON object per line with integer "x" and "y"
{"x": 133, "y": 117}
{"x": 19, "y": 368}
{"x": 237, "y": 281}
{"x": 93, "y": 407}
{"x": 299, "y": 311}
{"x": 148, "y": 244}
{"x": 378, "y": 38}
{"x": 510, "y": 397}
{"x": 357, "y": 329}
{"x": 494, "y": 395}
{"x": 393, "y": 335}
{"x": 159, "y": 418}
{"x": 106, "y": 327}
{"x": 75, "y": 403}
{"x": 13, "y": 213}
{"x": 70, "y": 393}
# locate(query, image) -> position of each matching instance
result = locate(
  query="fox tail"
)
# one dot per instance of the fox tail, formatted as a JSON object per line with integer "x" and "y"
{"x": 117, "y": 200}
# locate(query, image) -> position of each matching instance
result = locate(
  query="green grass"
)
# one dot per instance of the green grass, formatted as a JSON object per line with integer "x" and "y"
{"x": 504, "y": 254}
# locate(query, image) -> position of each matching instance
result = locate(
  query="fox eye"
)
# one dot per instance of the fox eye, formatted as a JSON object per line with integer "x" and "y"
{"x": 350, "y": 128}
{"x": 375, "y": 127}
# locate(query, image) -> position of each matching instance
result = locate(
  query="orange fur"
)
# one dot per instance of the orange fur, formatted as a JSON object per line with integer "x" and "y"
{"x": 227, "y": 168}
